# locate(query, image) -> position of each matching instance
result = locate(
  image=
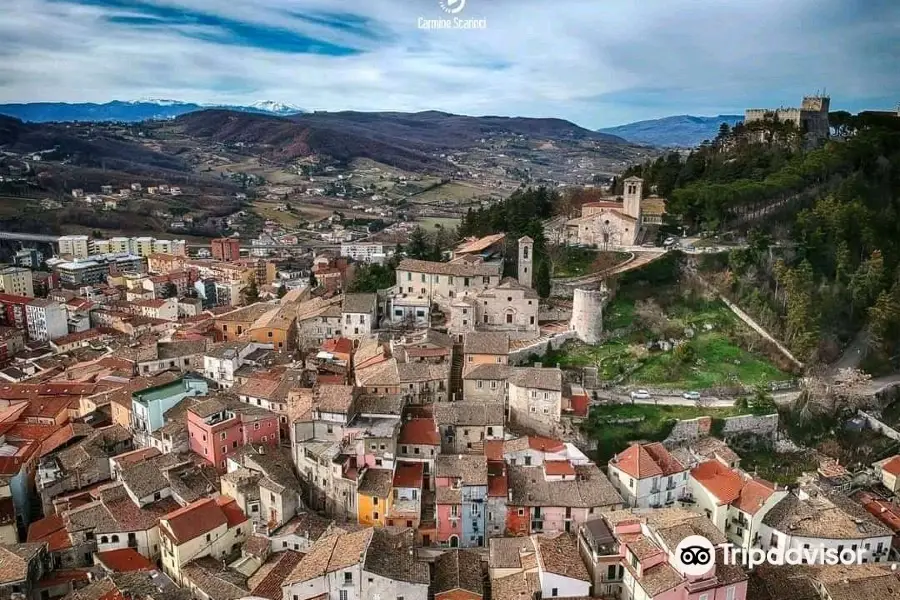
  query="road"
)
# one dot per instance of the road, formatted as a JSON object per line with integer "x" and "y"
{"x": 780, "y": 398}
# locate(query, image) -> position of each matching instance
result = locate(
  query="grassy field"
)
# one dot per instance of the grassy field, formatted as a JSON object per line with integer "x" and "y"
{"x": 574, "y": 262}
{"x": 429, "y": 223}
{"x": 709, "y": 359}
{"x": 452, "y": 192}
{"x": 645, "y": 423}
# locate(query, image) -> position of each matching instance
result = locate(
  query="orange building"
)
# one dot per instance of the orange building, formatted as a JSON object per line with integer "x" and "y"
{"x": 226, "y": 249}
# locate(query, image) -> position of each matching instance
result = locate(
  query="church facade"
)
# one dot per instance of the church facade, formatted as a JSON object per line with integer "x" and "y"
{"x": 616, "y": 223}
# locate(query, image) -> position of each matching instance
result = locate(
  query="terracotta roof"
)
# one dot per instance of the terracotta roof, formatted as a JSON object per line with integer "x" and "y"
{"x": 455, "y": 268}
{"x": 195, "y": 519}
{"x": 559, "y": 468}
{"x": 408, "y": 475}
{"x": 270, "y": 586}
{"x": 458, "y": 570}
{"x": 559, "y": 555}
{"x": 332, "y": 553}
{"x": 478, "y": 244}
{"x": 124, "y": 559}
{"x": 15, "y": 560}
{"x": 339, "y": 345}
{"x": 51, "y": 530}
{"x": 648, "y": 460}
{"x": 493, "y": 450}
{"x": 376, "y": 483}
{"x": 892, "y": 465}
{"x": 484, "y": 342}
{"x": 421, "y": 432}
{"x": 391, "y": 554}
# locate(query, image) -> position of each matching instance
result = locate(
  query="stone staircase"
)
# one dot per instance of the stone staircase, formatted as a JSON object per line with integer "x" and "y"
{"x": 456, "y": 372}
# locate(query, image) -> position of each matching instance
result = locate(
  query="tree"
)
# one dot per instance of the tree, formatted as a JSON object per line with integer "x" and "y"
{"x": 418, "y": 245}
{"x": 251, "y": 292}
{"x": 168, "y": 290}
{"x": 542, "y": 283}
{"x": 313, "y": 282}
{"x": 282, "y": 291}
{"x": 761, "y": 401}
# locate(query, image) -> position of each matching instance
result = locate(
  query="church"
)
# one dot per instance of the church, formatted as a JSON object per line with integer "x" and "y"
{"x": 623, "y": 222}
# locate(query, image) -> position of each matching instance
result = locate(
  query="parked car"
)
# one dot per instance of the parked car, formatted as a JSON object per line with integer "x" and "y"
{"x": 691, "y": 395}
{"x": 640, "y": 395}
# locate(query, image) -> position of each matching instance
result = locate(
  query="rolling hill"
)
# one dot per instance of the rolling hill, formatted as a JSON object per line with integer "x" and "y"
{"x": 684, "y": 131}
{"x": 406, "y": 140}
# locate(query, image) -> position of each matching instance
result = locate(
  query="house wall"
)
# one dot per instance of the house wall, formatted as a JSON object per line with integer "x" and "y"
{"x": 518, "y": 520}
{"x": 534, "y": 404}
{"x": 357, "y": 325}
{"x": 496, "y": 516}
{"x": 565, "y": 587}
{"x": 485, "y": 390}
{"x": 788, "y": 541}
{"x": 372, "y": 510}
{"x": 443, "y": 287}
{"x": 641, "y": 493}
{"x": 473, "y": 360}
{"x": 376, "y": 586}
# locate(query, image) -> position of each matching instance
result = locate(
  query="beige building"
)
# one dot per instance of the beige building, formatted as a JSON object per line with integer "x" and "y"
{"x": 485, "y": 348}
{"x": 440, "y": 282}
{"x": 213, "y": 527}
{"x": 811, "y": 118}
{"x": 535, "y": 397}
{"x": 619, "y": 223}
{"x": 16, "y": 281}
{"x": 888, "y": 471}
{"x": 76, "y": 246}
{"x": 510, "y": 307}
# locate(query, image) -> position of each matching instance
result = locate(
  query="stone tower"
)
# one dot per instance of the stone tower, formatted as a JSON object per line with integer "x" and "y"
{"x": 526, "y": 260}
{"x": 587, "y": 315}
{"x": 634, "y": 189}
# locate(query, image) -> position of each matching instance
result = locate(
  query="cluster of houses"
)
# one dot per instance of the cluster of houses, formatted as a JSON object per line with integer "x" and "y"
{"x": 332, "y": 445}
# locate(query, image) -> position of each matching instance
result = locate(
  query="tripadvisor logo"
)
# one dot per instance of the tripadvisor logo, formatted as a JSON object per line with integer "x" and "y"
{"x": 695, "y": 556}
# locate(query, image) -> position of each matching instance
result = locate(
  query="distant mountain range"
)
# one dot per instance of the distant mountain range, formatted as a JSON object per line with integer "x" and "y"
{"x": 683, "y": 131}
{"x": 139, "y": 110}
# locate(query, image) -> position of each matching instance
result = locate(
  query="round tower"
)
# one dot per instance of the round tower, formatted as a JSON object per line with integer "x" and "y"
{"x": 587, "y": 315}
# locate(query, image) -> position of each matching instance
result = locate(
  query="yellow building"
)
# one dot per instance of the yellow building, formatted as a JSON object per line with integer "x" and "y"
{"x": 480, "y": 348}
{"x": 373, "y": 496}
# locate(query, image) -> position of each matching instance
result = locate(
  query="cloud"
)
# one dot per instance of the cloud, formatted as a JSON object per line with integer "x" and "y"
{"x": 597, "y": 63}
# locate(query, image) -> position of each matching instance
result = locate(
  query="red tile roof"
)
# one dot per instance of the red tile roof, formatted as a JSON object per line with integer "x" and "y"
{"x": 892, "y": 466}
{"x": 729, "y": 486}
{"x": 11, "y": 465}
{"x": 195, "y": 520}
{"x": 498, "y": 482}
{"x": 544, "y": 444}
{"x": 59, "y": 438}
{"x": 233, "y": 513}
{"x": 123, "y": 560}
{"x": 51, "y": 530}
{"x": 409, "y": 475}
{"x": 558, "y": 468}
{"x": 270, "y": 586}
{"x": 420, "y": 432}
{"x": 886, "y": 512}
{"x": 136, "y": 456}
{"x": 340, "y": 345}
{"x": 648, "y": 460}
{"x": 493, "y": 450}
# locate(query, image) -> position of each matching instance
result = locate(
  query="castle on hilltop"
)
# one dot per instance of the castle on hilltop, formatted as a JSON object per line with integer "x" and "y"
{"x": 811, "y": 118}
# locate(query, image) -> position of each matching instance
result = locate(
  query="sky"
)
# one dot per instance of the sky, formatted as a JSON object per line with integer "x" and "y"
{"x": 597, "y": 63}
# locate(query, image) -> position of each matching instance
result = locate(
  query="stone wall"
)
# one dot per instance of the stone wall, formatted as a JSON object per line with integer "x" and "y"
{"x": 520, "y": 356}
{"x": 761, "y": 425}
{"x": 877, "y": 425}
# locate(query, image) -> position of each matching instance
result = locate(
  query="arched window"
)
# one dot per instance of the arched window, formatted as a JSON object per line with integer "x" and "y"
{"x": 454, "y": 541}
{"x": 115, "y": 539}
{"x": 104, "y": 539}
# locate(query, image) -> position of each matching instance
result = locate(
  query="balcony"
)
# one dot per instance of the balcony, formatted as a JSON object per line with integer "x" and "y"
{"x": 671, "y": 485}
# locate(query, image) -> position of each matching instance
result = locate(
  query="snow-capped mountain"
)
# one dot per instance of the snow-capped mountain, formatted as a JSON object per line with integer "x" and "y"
{"x": 277, "y": 108}
{"x": 129, "y": 111}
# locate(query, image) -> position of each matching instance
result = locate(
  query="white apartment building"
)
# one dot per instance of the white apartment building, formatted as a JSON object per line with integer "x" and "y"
{"x": 47, "y": 320}
{"x": 535, "y": 397}
{"x": 76, "y": 245}
{"x": 16, "y": 281}
{"x": 358, "y": 315}
{"x": 810, "y": 518}
{"x": 734, "y": 501}
{"x": 222, "y": 360}
{"x": 647, "y": 475}
{"x": 364, "y": 252}
{"x": 142, "y": 246}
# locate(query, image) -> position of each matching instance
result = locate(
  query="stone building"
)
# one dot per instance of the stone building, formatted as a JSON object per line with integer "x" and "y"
{"x": 510, "y": 307}
{"x": 811, "y": 118}
{"x": 611, "y": 224}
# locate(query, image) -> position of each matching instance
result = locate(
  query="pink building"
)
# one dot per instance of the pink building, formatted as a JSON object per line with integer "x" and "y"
{"x": 643, "y": 548}
{"x": 217, "y": 428}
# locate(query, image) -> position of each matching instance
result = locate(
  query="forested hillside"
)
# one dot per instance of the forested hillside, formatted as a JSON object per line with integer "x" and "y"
{"x": 827, "y": 270}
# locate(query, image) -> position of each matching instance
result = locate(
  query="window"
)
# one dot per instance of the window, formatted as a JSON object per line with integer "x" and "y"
{"x": 468, "y": 359}
{"x": 480, "y": 384}
{"x": 265, "y": 438}
{"x": 499, "y": 360}
{"x": 224, "y": 449}
{"x": 611, "y": 572}
{"x": 104, "y": 539}
{"x": 554, "y": 592}
{"x": 234, "y": 444}
{"x": 342, "y": 594}
{"x": 729, "y": 593}
{"x": 256, "y": 426}
{"x": 208, "y": 537}
{"x": 704, "y": 597}
{"x": 222, "y": 435}
{"x": 348, "y": 577}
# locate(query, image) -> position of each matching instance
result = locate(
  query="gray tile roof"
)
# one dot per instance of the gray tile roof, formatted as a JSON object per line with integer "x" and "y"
{"x": 589, "y": 489}
{"x": 359, "y": 303}
{"x": 475, "y": 414}
{"x": 458, "y": 569}
{"x": 486, "y": 342}
{"x": 537, "y": 378}
{"x": 470, "y": 468}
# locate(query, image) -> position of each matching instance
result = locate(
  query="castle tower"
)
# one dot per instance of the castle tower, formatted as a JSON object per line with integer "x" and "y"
{"x": 526, "y": 260}
{"x": 634, "y": 189}
{"x": 587, "y": 315}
